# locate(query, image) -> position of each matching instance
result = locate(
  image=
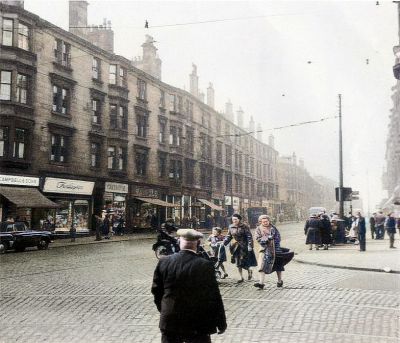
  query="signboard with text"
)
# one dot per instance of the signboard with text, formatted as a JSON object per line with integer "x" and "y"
{"x": 16, "y": 180}
{"x": 114, "y": 187}
{"x": 67, "y": 186}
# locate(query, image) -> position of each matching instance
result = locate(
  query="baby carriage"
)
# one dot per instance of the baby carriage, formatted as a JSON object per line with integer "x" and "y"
{"x": 217, "y": 256}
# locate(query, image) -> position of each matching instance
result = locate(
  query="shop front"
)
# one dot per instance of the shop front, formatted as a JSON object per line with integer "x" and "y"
{"x": 75, "y": 204}
{"x": 20, "y": 199}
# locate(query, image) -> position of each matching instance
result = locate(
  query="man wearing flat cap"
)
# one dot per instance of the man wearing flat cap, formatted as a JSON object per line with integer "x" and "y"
{"x": 187, "y": 295}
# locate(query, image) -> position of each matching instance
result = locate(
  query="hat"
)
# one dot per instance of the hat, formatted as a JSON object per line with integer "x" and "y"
{"x": 189, "y": 234}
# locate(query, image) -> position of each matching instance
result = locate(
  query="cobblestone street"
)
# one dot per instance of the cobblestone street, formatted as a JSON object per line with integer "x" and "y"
{"x": 101, "y": 293}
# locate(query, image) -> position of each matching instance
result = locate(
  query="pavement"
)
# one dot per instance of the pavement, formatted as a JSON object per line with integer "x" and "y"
{"x": 378, "y": 257}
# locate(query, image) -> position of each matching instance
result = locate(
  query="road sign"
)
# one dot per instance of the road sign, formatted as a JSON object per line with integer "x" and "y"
{"x": 345, "y": 194}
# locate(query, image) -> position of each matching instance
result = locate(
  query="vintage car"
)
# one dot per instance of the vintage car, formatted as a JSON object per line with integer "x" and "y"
{"x": 18, "y": 236}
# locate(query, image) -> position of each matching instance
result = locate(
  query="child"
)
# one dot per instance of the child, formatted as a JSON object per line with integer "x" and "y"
{"x": 216, "y": 240}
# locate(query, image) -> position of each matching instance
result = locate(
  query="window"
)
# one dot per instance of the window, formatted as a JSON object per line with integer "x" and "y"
{"x": 161, "y": 134}
{"x": 5, "y": 87}
{"x": 141, "y": 163}
{"x": 23, "y": 36}
{"x": 162, "y": 99}
{"x": 175, "y": 135}
{"x": 218, "y": 127}
{"x": 61, "y": 99}
{"x": 121, "y": 158}
{"x": 141, "y": 89}
{"x": 58, "y": 148}
{"x": 189, "y": 140}
{"x": 96, "y": 68}
{"x": 113, "y": 117}
{"x": 228, "y": 182}
{"x": 3, "y": 140}
{"x": 190, "y": 112}
{"x": 162, "y": 165}
{"x": 62, "y": 52}
{"x": 219, "y": 152}
{"x": 122, "y": 75}
{"x": 96, "y": 113}
{"x": 228, "y": 155}
{"x": 218, "y": 178}
{"x": 95, "y": 155}
{"x": 180, "y": 104}
{"x": 111, "y": 161}
{"x": 189, "y": 167}
{"x": 175, "y": 169}
{"x": 113, "y": 74}
{"x": 236, "y": 159}
{"x": 22, "y": 89}
{"x": 141, "y": 121}
{"x": 8, "y": 29}
{"x": 172, "y": 103}
{"x": 123, "y": 116}
{"x": 19, "y": 143}
{"x": 252, "y": 166}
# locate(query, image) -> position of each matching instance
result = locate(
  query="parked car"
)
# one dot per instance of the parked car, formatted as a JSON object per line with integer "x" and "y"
{"x": 18, "y": 236}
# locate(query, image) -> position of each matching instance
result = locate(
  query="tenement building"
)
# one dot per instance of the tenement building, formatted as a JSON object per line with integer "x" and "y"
{"x": 85, "y": 131}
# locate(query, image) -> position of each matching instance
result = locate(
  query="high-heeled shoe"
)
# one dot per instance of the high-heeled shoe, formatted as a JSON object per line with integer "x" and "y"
{"x": 240, "y": 280}
{"x": 259, "y": 285}
{"x": 279, "y": 284}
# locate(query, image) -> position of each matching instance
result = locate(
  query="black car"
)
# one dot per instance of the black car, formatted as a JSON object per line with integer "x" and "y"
{"x": 18, "y": 236}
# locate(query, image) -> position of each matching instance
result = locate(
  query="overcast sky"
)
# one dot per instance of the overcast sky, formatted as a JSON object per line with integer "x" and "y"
{"x": 282, "y": 62}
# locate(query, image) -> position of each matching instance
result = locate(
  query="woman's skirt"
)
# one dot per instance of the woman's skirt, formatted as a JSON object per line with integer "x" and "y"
{"x": 282, "y": 257}
{"x": 326, "y": 236}
{"x": 244, "y": 258}
{"x": 313, "y": 236}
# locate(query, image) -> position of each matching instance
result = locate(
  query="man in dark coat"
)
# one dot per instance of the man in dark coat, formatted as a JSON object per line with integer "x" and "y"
{"x": 360, "y": 222}
{"x": 187, "y": 295}
{"x": 325, "y": 231}
{"x": 372, "y": 225}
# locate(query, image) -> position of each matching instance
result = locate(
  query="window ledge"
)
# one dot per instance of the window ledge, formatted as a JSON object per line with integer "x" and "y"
{"x": 144, "y": 139}
{"x": 117, "y": 173}
{"x": 97, "y": 81}
{"x": 61, "y": 114}
{"x": 62, "y": 67}
{"x": 59, "y": 164}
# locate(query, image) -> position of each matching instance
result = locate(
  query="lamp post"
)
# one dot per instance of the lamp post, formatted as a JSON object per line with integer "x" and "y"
{"x": 341, "y": 200}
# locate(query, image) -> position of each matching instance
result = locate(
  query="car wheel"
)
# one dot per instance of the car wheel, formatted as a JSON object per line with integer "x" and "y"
{"x": 3, "y": 247}
{"x": 43, "y": 244}
{"x": 161, "y": 251}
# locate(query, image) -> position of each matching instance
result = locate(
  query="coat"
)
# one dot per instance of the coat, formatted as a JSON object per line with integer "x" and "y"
{"x": 187, "y": 295}
{"x": 241, "y": 239}
{"x": 312, "y": 230}
{"x": 390, "y": 225}
{"x": 326, "y": 230}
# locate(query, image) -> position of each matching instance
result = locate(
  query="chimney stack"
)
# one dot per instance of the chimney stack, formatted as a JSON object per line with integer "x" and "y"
{"x": 239, "y": 118}
{"x": 210, "y": 95}
{"x": 229, "y": 110}
{"x": 271, "y": 141}
{"x": 78, "y": 24}
{"x": 13, "y": 3}
{"x": 150, "y": 63}
{"x": 259, "y": 132}
{"x": 194, "y": 81}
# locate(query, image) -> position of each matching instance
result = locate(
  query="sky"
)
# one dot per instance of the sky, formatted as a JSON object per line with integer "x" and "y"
{"x": 282, "y": 62}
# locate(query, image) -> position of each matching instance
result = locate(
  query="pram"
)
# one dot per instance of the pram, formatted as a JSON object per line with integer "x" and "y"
{"x": 216, "y": 260}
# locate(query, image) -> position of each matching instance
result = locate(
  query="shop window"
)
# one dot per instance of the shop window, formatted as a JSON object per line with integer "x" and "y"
{"x": 58, "y": 148}
{"x": 8, "y": 30}
{"x": 62, "y": 52}
{"x": 141, "y": 163}
{"x": 22, "y": 89}
{"x": 3, "y": 141}
{"x": 141, "y": 89}
{"x": 23, "y": 36}
{"x": 19, "y": 143}
{"x": 61, "y": 99}
{"x": 96, "y": 111}
{"x": 141, "y": 122}
{"x": 95, "y": 155}
{"x": 96, "y": 68}
{"x": 5, "y": 86}
{"x": 113, "y": 74}
{"x": 70, "y": 212}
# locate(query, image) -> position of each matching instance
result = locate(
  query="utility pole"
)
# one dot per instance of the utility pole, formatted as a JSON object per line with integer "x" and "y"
{"x": 341, "y": 200}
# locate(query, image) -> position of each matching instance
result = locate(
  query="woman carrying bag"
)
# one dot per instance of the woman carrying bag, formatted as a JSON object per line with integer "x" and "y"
{"x": 272, "y": 257}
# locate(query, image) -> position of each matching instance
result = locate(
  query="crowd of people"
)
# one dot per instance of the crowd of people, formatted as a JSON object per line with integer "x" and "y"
{"x": 109, "y": 223}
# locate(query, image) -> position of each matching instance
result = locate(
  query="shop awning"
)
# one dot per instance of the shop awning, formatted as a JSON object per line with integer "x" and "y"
{"x": 27, "y": 197}
{"x": 212, "y": 205}
{"x": 158, "y": 202}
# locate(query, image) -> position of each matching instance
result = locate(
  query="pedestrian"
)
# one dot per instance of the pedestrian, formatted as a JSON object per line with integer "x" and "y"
{"x": 98, "y": 223}
{"x": 372, "y": 225}
{"x": 325, "y": 231}
{"x": 380, "y": 225}
{"x": 390, "y": 226}
{"x": 312, "y": 231}
{"x": 154, "y": 221}
{"x": 360, "y": 223}
{"x": 106, "y": 226}
{"x": 216, "y": 240}
{"x": 271, "y": 258}
{"x": 240, "y": 242}
{"x": 186, "y": 294}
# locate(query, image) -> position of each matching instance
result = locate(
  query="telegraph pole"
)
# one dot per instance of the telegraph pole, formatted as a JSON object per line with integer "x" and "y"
{"x": 341, "y": 200}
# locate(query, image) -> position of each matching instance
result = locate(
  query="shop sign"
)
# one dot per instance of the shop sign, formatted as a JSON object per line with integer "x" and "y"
{"x": 113, "y": 187}
{"x": 19, "y": 180}
{"x": 139, "y": 191}
{"x": 67, "y": 186}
